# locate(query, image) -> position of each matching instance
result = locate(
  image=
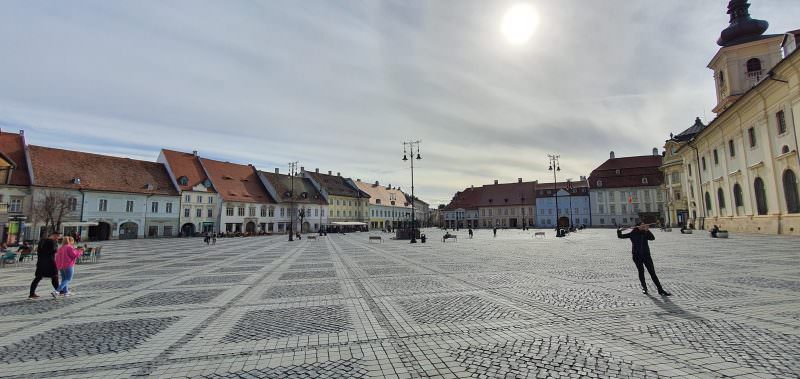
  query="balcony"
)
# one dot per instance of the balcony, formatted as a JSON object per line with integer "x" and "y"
{"x": 754, "y": 77}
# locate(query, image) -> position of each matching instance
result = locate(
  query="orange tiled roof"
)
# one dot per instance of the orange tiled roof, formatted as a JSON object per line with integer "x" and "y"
{"x": 385, "y": 195}
{"x": 631, "y": 172}
{"x": 236, "y": 182}
{"x": 188, "y": 165}
{"x": 12, "y": 145}
{"x": 59, "y": 168}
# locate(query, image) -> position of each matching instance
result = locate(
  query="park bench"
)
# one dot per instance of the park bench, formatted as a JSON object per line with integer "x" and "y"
{"x": 686, "y": 231}
{"x": 447, "y": 237}
{"x": 538, "y": 234}
{"x": 312, "y": 238}
{"x": 375, "y": 238}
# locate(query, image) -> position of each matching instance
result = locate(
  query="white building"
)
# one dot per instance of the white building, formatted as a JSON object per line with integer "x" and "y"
{"x": 305, "y": 207}
{"x": 200, "y": 202}
{"x": 624, "y": 191}
{"x": 573, "y": 204}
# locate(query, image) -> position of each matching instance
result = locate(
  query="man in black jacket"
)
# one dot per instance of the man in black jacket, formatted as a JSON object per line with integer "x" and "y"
{"x": 46, "y": 263}
{"x": 641, "y": 254}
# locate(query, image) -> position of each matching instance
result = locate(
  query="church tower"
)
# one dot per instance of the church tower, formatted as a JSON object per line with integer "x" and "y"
{"x": 746, "y": 54}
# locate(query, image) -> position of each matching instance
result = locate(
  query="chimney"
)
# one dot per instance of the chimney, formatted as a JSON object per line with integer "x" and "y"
{"x": 194, "y": 152}
{"x": 376, "y": 183}
{"x": 495, "y": 181}
{"x": 655, "y": 151}
{"x": 338, "y": 174}
{"x": 329, "y": 172}
{"x": 358, "y": 180}
{"x": 583, "y": 177}
{"x": 612, "y": 155}
{"x": 316, "y": 170}
{"x": 519, "y": 180}
{"x": 471, "y": 186}
{"x": 398, "y": 188}
{"x": 389, "y": 186}
{"x": 302, "y": 169}
{"x": 21, "y": 132}
{"x": 277, "y": 170}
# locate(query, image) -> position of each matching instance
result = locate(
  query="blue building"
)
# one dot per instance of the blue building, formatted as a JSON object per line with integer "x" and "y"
{"x": 573, "y": 204}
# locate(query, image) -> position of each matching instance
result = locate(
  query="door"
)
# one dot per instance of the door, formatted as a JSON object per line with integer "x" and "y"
{"x": 187, "y": 230}
{"x": 128, "y": 230}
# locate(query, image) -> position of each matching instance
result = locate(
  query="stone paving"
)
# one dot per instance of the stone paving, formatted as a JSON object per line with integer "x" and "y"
{"x": 339, "y": 307}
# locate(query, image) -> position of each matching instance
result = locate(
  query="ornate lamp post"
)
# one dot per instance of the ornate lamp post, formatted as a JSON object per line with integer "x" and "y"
{"x": 411, "y": 145}
{"x": 554, "y": 167}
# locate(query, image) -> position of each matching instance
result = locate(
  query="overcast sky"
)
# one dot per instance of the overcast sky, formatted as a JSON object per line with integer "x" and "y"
{"x": 339, "y": 85}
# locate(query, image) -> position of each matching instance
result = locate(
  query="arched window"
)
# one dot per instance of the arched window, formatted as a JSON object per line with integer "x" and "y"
{"x": 708, "y": 202}
{"x": 703, "y": 161}
{"x": 753, "y": 64}
{"x": 785, "y": 149}
{"x": 644, "y": 180}
{"x": 737, "y": 195}
{"x": 720, "y": 199}
{"x": 790, "y": 192}
{"x": 761, "y": 196}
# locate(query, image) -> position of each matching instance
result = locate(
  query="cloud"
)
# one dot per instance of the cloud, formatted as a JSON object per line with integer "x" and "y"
{"x": 339, "y": 85}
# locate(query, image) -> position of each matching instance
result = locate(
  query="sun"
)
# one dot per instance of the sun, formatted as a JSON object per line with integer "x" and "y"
{"x": 519, "y": 23}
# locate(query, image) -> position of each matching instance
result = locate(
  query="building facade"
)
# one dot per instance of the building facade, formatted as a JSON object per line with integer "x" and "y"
{"x": 625, "y": 191}
{"x": 564, "y": 204}
{"x": 304, "y": 207}
{"x": 120, "y": 198}
{"x": 389, "y": 208}
{"x": 199, "y": 207}
{"x": 16, "y": 202}
{"x": 741, "y": 171}
{"x": 348, "y": 206}
{"x": 245, "y": 204}
{"x": 507, "y": 205}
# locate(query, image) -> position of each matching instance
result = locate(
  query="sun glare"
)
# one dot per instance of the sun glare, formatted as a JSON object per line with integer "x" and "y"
{"x": 519, "y": 23}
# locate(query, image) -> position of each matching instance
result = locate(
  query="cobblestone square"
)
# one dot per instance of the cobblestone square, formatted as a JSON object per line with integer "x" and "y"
{"x": 340, "y": 307}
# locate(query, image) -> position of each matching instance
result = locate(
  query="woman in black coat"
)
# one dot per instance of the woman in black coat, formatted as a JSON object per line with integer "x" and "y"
{"x": 640, "y": 250}
{"x": 46, "y": 263}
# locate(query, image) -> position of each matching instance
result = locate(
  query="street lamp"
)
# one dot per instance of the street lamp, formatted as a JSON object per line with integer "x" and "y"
{"x": 554, "y": 167}
{"x": 411, "y": 145}
{"x": 292, "y": 171}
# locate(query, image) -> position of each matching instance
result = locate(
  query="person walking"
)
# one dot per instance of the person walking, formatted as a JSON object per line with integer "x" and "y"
{"x": 494, "y": 231}
{"x": 214, "y": 239}
{"x": 470, "y": 233}
{"x": 640, "y": 250}
{"x": 66, "y": 257}
{"x": 45, "y": 263}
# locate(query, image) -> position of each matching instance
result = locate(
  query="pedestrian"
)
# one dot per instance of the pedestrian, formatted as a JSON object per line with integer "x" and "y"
{"x": 206, "y": 238}
{"x": 66, "y": 257}
{"x": 214, "y": 239}
{"x": 640, "y": 251}
{"x": 714, "y": 231}
{"x": 24, "y": 250}
{"x": 46, "y": 263}
{"x": 470, "y": 233}
{"x": 494, "y": 231}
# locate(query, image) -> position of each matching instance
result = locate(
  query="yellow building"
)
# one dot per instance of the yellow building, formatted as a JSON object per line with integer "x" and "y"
{"x": 348, "y": 206}
{"x": 740, "y": 172}
{"x": 389, "y": 207}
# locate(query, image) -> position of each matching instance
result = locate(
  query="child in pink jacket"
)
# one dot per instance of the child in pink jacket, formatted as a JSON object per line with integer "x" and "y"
{"x": 66, "y": 257}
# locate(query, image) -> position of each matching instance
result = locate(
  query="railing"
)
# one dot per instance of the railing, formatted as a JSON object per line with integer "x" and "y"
{"x": 754, "y": 77}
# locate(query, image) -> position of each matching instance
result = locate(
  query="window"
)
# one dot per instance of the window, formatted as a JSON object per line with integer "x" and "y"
{"x": 599, "y": 183}
{"x": 720, "y": 199}
{"x": 785, "y": 149}
{"x": 210, "y": 213}
{"x": 167, "y": 231}
{"x": 271, "y": 211}
{"x": 211, "y": 199}
{"x": 737, "y": 195}
{"x": 716, "y": 157}
{"x": 780, "y": 117}
{"x": 154, "y": 207}
{"x": 753, "y": 65}
{"x": 198, "y": 212}
{"x": 703, "y": 163}
{"x": 790, "y": 192}
{"x": 761, "y": 196}
{"x": 128, "y": 206}
{"x": 612, "y": 209}
{"x": 168, "y": 208}
{"x": 72, "y": 204}
{"x": 102, "y": 205}
{"x": 252, "y": 212}
{"x": 708, "y": 202}
{"x": 15, "y": 206}
{"x": 229, "y": 211}
{"x": 240, "y": 211}
{"x": 184, "y": 181}
{"x": 187, "y": 198}
{"x": 322, "y": 212}
{"x": 186, "y": 212}
{"x": 199, "y": 199}
{"x": 689, "y": 169}
{"x": 263, "y": 211}
{"x": 644, "y": 180}
{"x": 731, "y": 148}
{"x": 283, "y": 212}
{"x": 751, "y": 134}
{"x": 676, "y": 177}
{"x": 602, "y": 221}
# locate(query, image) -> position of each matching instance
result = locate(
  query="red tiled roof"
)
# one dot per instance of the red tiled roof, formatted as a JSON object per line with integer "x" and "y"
{"x": 336, "y": 185}
{"x": 502, "y": 194}
{"x": 385, "y": 195}
{"x": 466, "y": 199}
{"x": 631, "y": 172}
{"x": 59, "y": 168}
{"x": 188, "y": 165}
{"x": 283, "y": 185}
{"x": 235, "y": 182}
{"x": 12, "y": 145}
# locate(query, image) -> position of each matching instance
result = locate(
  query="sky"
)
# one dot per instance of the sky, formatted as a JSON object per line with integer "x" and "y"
{"x": 339, "y": 85}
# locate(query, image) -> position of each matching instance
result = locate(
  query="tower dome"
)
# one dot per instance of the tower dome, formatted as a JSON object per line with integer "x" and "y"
{"x": 742, "y": 28}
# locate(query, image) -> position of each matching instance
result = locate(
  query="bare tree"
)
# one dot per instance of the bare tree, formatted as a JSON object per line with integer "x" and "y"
{"x": 51, "y": 209}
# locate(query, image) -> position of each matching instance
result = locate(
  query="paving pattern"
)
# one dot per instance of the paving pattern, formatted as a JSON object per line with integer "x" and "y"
{"x": 339, "y": 307}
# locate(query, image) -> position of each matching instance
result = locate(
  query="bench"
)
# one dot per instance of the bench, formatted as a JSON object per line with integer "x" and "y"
{"x": 453, "y": 237}
{"x": 312, "y": 238}
{"x": 375, "y": 238}
{"x": 538, "y": 234}
{"x": 686, "y": 231}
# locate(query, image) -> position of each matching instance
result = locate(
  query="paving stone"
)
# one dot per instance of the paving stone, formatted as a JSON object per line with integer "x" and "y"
{"x": 285, "y": 322}
{"x": 300, "y": 290}
{"x": 168, "y": 298}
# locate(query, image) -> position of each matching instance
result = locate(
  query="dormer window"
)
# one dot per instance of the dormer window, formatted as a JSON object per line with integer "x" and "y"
{"x": 618, "y": 171}
{"x": 183, "y": 181}
{"x": 644, "y": 180}
{"x": 378, "y": 201}
{"x": 599, "y": 183}
{"x": 76, "y": 180}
